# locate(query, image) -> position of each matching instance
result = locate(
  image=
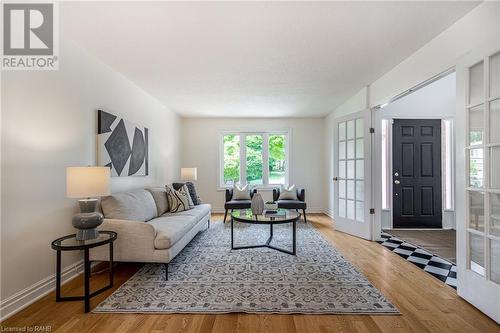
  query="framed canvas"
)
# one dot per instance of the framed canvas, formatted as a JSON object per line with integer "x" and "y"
{"x": 121, "y": 145}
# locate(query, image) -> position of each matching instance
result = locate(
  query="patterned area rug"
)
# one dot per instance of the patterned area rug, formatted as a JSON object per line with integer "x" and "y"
{"x": 207, "y": 277}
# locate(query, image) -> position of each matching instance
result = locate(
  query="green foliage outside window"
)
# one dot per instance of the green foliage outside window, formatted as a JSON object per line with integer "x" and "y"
{"x": 254, "y": 159}
{"x": 231, "y": 158}
{"x": 277, "y": 154}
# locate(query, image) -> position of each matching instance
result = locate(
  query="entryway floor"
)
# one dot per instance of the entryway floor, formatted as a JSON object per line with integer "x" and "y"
{"x": 439, "y": 242}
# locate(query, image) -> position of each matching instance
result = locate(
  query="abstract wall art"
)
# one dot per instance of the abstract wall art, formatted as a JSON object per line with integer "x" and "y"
{"x": 121, "y": 145}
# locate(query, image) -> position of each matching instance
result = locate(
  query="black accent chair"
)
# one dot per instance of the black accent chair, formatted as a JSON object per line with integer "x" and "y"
{"x": 231, "y": 204}
{"x": 292, "y": 204}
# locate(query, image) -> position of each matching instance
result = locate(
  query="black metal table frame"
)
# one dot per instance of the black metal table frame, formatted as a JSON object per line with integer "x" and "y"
{"x": 267, "y": 244}
{"x": 85, "y": 247}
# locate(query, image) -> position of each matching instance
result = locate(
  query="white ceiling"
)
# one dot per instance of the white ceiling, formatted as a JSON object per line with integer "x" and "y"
{"x": 255, "y": 59}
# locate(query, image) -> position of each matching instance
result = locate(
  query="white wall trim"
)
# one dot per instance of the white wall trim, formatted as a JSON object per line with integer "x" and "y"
{"x": 221, "y": 210}
{"x": 31, "y": 294}
{"x": 328, "y": 212}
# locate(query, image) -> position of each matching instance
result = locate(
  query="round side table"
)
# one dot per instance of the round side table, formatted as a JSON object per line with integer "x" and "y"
{"x": 69, "y": 243}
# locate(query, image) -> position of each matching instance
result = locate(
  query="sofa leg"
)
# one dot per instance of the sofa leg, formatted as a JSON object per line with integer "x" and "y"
{"x": 305, "y": 218}
{"x": 166, "y": 272}
{"x": 225, "y": 215}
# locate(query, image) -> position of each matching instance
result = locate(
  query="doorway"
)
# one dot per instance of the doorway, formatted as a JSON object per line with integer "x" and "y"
{"x": 416, "y": 164}
{"x": 414, "y": 156}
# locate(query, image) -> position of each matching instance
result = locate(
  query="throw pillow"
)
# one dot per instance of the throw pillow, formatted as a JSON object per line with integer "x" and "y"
{"x": 241, "y": 193}
{"x": 178, "y": 201}
{"x": 192, "y": 191}
{"x": 160, "y": 197}
{"x": 288, "y": 193}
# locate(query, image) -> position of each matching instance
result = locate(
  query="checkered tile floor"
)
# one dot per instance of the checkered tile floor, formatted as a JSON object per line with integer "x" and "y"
{"x": 440, "y": 268}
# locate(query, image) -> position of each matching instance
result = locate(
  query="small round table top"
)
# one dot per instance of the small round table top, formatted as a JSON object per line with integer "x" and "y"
{"x": 68, "y": 243}
{"x": 277, "y": 217}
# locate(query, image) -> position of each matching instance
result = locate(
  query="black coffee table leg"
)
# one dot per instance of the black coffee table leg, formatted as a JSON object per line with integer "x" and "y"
{"x": 294, "y": 240}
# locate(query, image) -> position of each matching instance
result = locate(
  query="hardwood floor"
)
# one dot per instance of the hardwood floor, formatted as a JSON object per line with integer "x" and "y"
{"x": 425, "y": 303}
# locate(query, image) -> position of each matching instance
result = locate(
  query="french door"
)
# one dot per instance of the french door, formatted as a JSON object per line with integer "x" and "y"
{"x": 478, "y": 180}
{"x": 352, "y": 170}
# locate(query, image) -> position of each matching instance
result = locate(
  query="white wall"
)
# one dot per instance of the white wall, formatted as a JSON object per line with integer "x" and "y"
{"x": 200, "y": 148}
{"x": 49, "y": 122}
{"x": 479, "y": 27}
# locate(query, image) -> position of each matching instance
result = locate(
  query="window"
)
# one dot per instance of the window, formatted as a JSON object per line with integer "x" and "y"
{"x": 231, "y": 158}
{"x": 256, "y": 158}
{"x": 277, "y": 159}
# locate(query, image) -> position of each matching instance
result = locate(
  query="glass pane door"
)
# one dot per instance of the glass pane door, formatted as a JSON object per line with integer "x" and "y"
{"x": 351, "y": 158}
{"x": 483, "y": 147}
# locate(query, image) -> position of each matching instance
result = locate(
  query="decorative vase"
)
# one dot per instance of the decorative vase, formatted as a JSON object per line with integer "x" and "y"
{"x": 257, "y": 204}
{"x": 271, "y": 205}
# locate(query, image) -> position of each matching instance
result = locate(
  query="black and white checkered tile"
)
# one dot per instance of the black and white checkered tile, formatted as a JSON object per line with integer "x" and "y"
{"x": 442, "y": 269}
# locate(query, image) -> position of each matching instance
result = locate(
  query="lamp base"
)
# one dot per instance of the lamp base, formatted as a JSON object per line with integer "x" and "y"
{"x": 88, "y": 220}
{"x": 86, "y": 234}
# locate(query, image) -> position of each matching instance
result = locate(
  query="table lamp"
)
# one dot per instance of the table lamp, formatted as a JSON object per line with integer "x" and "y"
{"x": 87, "y": 183}
{"x": 189, "y": 174}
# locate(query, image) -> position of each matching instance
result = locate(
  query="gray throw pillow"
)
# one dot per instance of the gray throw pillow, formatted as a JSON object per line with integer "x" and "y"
{"x": 160, "y": 196}
{"x": 136, "y": 205}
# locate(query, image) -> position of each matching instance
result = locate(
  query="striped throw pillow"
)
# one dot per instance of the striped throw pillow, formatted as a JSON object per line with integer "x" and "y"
{"x": 180, "y": 200}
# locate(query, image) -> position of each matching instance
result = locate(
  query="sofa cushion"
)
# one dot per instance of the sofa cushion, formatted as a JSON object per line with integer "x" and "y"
{"x": 137, "y": 205}
{"x": 160, "y": 196}
{"x": 171, "y": 228}
{"x": 238, "y": 204}
{"x": 197, "y": 212}
{"x": 292, "y": 204}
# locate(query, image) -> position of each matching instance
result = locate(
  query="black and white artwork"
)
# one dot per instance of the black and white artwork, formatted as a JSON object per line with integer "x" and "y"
{"x": 122, "y": 145}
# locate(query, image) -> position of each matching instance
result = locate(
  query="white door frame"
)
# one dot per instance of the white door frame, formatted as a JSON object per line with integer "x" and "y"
{"x": 377, "y": 165}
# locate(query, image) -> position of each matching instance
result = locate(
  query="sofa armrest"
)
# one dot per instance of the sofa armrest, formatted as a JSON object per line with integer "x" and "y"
{"x": 229, "y": 194}
{"x": 135, "y": 240}
{"x": 301, "y": 194}
{"x": 276, "y": 193}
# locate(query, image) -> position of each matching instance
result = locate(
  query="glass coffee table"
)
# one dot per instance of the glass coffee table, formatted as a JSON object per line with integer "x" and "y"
{"x": 281, "y": 216}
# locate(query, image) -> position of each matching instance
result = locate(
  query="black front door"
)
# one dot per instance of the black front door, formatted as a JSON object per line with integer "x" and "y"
{"x": 416, "y": 149}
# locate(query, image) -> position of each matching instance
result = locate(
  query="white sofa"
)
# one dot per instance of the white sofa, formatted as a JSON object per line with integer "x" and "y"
{"x": 146, "y": 232}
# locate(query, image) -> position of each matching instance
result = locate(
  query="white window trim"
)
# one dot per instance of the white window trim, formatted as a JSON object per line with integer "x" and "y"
{"x": 265, "y": 156}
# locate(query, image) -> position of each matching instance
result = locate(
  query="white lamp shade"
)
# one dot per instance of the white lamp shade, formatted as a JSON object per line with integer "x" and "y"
{"x": 189, "y": 174}
{"x": 86, "y": 182}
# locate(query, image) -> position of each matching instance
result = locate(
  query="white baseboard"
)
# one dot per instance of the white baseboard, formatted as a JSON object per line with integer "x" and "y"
{"x": 328, "y": 212}
{"x": 221, "y": 210}
{"x": 31, "y": 294}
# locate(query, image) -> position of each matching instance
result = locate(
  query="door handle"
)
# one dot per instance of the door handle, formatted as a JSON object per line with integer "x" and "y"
{"x": 397, "y": 182}
{"x": 335, "y": 179}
